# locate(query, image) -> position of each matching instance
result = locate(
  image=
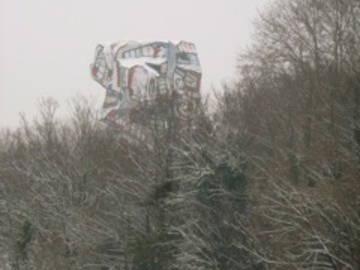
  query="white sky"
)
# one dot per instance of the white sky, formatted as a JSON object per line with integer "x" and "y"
{"x": 46, "y": 46}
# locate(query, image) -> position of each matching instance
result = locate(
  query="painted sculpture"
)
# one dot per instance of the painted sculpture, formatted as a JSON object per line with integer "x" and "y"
{"x": 133, "y": 72}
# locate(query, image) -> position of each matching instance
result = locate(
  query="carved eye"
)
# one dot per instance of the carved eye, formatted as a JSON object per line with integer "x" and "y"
{"x": 183, "y": 57}
{"x": 154, "y": 67}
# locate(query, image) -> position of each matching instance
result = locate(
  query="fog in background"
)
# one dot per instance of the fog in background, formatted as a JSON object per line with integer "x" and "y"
{"x": 46, "y": 46}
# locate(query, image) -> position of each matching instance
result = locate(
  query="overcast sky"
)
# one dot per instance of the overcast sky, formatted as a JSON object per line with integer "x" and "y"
{"x": 46, "y": 46}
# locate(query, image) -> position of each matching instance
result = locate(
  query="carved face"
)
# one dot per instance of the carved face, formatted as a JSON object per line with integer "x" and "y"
{"x": 133, "y": 71}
